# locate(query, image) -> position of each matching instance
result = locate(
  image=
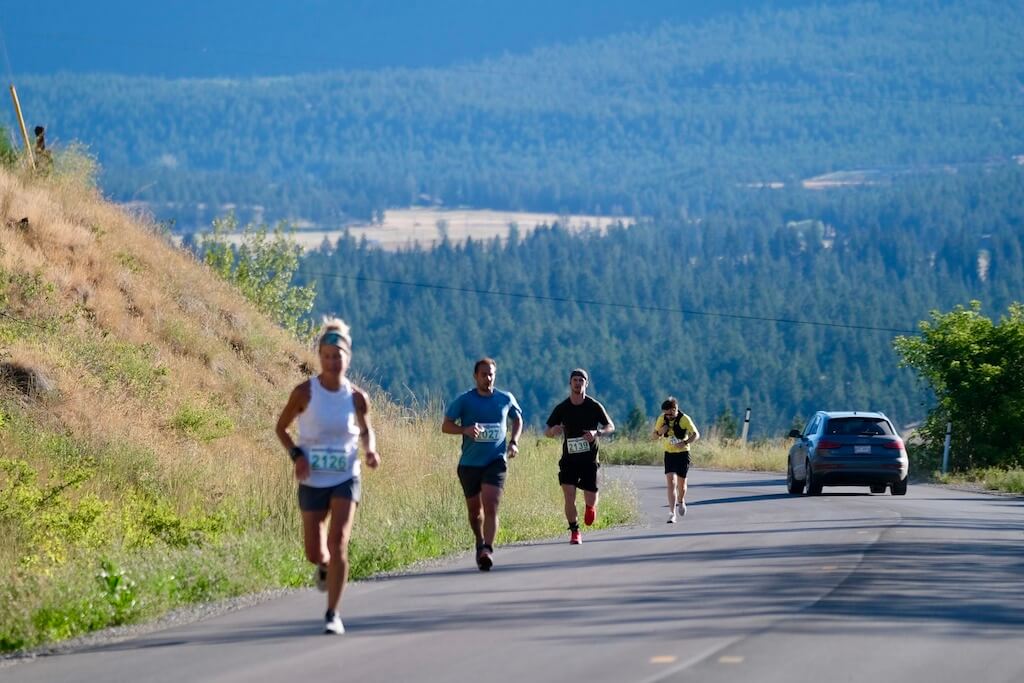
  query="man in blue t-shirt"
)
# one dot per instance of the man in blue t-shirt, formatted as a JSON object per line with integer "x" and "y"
{"x": 481, "y": 416}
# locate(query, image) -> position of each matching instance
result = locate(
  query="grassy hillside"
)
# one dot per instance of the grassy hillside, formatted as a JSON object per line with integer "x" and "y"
{"x": 138, "y": 467}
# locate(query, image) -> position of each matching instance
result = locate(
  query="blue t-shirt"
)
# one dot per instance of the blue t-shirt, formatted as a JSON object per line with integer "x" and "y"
{"x": 493, "y": 413}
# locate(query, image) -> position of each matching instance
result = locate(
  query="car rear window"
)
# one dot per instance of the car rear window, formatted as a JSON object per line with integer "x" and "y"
{"x": 858, "y": 426}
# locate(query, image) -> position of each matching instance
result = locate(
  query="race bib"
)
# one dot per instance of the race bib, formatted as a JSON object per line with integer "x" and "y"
{"x": 676, "y": 442}
{"x": 489, "y": 432}
{"x": 578, "y": 445}
{"x": 328, "y": 460}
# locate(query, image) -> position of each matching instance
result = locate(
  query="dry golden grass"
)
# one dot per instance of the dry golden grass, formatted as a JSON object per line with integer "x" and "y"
{"x": 136, "y": 329}
{"x": 709, "y": 452}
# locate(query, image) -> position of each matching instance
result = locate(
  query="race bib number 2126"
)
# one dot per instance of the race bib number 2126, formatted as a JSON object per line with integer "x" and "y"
{"x": 328, "y": 460}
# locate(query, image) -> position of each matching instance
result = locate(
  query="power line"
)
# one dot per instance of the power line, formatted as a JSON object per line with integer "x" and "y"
{"x": 611, "y": 304}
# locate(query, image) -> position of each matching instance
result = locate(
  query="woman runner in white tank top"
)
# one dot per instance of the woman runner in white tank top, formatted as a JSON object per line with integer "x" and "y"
{"x": 334, "y": 419}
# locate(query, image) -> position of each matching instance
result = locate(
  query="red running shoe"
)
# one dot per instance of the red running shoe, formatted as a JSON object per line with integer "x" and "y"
{"x": 590, "y": 515}
{"x": 575, "y": 537}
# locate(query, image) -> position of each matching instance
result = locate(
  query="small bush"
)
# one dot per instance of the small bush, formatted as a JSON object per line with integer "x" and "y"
{"x": 76, "y": 166}
{"x": 118, "y": 590}
{"x": 8, "y": 153}
{"x": 148, "y": 520}
{"x": 44, "y": 522}
{"x": 128, "y": 261}
{"x": 203, "y": 423}
{"x": 131, "y": 366}
{"x": 179, "y": 337}
{"x": 992, "y": 478}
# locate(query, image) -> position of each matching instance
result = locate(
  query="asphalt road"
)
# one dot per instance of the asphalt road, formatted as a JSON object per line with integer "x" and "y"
{"x": 752, "y": 585}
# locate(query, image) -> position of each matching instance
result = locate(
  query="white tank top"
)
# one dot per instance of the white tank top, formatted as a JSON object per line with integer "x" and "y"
{"x": 329, "y": 435}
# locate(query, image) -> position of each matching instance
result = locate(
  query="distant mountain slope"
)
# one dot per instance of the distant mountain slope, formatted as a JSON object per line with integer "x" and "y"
{"x": 652, "y": 122}
{"x": 200, "y": 38}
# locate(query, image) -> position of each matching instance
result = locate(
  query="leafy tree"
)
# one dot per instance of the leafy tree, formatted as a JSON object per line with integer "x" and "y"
{"x": 726, "y": 424}
{"x": 636, "y": 423}
{"x": 976, "y": 369}
{"x": 262, "y": 268}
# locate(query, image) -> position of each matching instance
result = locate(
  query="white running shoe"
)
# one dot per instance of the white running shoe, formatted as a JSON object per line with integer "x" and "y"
{"x": 672, "y": 518}
{"x": 333, "y": 624}
{"x": 320, "y": 577}
{"x": 682, "y": 509}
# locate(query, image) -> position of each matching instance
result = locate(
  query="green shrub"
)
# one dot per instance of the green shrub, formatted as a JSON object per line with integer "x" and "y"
{"x": 148, "y": 520}
{"x": 128, "y": 261}
{"x": 35, "y": 294}
{"x": 119, "y": 592}
{"x": 8, "y": 153}
{"x": 179, "y": 337}
{"x": 117, "y": 363}
{"x": 976, "y": 369}
{"x": 76, "y": 166}
{"x": 45, "y": 523}
{"x": 203, "y": 423}
{"x": 262, "y": 268}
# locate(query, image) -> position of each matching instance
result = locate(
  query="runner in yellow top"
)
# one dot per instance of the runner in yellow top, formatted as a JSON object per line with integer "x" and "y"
{"x": 678, "y": 431}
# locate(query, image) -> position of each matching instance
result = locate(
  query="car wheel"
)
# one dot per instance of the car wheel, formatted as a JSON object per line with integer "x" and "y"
{"x": 813, "y": 487}
{"x": 899, "y": 488}
{"x": 878, "y": 488}
{"x": 793, "y": 485}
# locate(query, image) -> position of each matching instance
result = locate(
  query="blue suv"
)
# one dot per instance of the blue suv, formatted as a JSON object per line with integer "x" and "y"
{"x": 847, "y": 449}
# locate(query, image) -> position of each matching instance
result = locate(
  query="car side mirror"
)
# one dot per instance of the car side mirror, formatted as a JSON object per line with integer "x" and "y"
{"x": 794, "y": 434}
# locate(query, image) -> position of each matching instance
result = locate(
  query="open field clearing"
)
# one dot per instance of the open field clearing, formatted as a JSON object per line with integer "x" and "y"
{"x": 403, "y": 228}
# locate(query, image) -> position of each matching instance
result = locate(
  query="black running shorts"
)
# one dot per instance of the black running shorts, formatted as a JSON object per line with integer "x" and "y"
{"x": 473, "y": 478}
{"x": 581, "y": 473}
{"x": 318, "y": 499}
{"x": 677, "y": 463}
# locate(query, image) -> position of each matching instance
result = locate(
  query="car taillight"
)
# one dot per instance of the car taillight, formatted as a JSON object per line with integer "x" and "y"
{"x": 828, "y": 445}
{"x": 895, "y": 445}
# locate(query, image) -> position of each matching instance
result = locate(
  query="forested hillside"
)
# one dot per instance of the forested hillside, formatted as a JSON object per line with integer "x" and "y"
{"x": 658, "y": 122}
{"x": 199, "y": 38}
{"x": 851, "y": 260}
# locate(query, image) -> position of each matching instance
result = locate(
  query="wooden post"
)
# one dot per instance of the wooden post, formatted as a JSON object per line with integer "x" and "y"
{"x": 24, "y": 131}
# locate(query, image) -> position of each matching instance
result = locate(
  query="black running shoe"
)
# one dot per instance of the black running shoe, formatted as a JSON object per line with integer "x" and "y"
{"x": 483, "y": 558}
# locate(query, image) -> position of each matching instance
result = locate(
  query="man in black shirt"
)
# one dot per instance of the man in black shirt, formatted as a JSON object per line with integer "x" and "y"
{"x": 580, "y": 420}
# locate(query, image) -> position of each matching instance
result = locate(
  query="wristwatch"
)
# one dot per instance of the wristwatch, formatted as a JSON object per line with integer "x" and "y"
{"x": 295, "y": 453}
